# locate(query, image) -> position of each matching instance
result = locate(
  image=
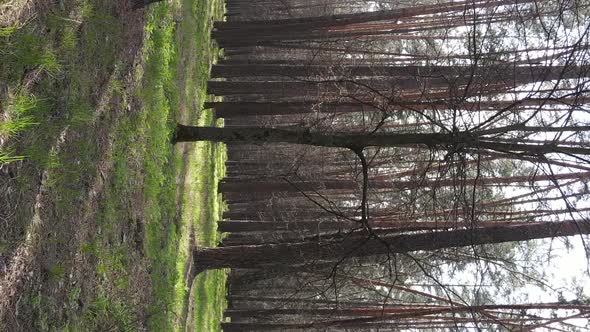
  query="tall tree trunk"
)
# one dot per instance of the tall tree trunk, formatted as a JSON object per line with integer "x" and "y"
{"x": 491, "y": 73}
{"x": 390, "y": 312}
{"x": 257, "y": 135}
{"x": 258, "y": 256}
{"x": 137, "y": 4}
{"x": 249, "y": 186}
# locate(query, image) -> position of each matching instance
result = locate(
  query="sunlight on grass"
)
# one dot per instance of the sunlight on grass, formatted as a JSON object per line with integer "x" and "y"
{"x": 171, "y": 52}
{"x": 157, "y": 199}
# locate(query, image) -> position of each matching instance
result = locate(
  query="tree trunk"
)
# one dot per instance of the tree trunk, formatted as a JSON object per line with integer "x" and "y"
{"x": 258, "y": 256}
{"x": 391, "y": 312}
{"x": 257, "y": 135}
{"x": 274, "y": 186}
{"x": 491, "y": 73}
{"x": 137, "y": 4}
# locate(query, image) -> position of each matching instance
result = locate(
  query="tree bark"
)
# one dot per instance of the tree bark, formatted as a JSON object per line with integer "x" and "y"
{"x": 137, "y": 4}
{"x": 258, "y": 135}
{"x": 259, "y": 256}
{"x": 491, "y": 73}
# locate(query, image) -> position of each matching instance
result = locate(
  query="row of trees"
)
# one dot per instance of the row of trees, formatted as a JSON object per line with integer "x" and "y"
{"x": 378, "y": 150}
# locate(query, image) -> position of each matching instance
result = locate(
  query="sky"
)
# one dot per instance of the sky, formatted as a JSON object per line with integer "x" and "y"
{"x": 564, "y": 266}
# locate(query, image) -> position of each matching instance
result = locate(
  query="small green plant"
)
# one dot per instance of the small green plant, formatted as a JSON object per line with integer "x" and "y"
{"x": 69, "y": 39}
{"x": 73, "y": 296}
{"x": 56, "y": 272}
{"x": 21, "y": 52}
{"x": 18, "y": 118}
{"x": 89, "y": 247}
{"x": 22, "y": 103}
{"x": 12, "y": 127}
{"x": 22, "y": 111}
{"x": 7, "y": 31}
{"x": 108, "y": 314}
{"x": 86, "y": 9}
{"x": 8, "y": 157}
{"x": 53, "y": 161}
{"x": 80, "y": 114}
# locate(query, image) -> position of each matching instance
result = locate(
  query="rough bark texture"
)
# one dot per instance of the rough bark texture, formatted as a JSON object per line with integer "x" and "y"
{"x": 137, "y": 4}
{"x": 257, "y": 135}
{"x": 253, "y": 256}
{"x": 249, "y": 186}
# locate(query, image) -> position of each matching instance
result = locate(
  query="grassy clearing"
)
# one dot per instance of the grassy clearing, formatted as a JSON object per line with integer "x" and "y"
{"x": 208, "y": 290}
{"x": 121, "y": 206}
{"x": 182, "y": 85}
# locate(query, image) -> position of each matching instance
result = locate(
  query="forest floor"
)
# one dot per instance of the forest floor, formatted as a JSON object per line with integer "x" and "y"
{"x": 98, "y": 211}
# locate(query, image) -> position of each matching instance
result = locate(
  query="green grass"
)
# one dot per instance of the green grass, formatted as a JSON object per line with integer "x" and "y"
{"x": 209, "y": 287}
{"x": 21, "y": 52}
{"x": 139, "y": 233}
{"x": 184, "y": 55}
{"x": 169, "y": 219}
{"x": 49, "y": 84}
